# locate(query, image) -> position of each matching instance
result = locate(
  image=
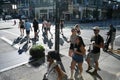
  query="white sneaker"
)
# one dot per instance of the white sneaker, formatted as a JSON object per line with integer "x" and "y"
{"x": 79, "y": 76}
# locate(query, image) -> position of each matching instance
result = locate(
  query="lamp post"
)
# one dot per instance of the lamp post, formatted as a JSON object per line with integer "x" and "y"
{"x": 57, "y": 31}
{"x": 57, "y": 21}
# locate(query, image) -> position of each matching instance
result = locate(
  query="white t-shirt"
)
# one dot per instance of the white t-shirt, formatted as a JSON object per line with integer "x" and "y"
{"x": 44, "y": 23}
{"x": 52, "y": 74}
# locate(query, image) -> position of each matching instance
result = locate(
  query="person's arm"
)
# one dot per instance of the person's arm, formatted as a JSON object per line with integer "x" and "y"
{"x": 58, "y": 70}
{"x": 19, "y": 25}
{"x": 30, "y": 27}
{"x": 83, "y": 51}
{"x": 101, "y": 45}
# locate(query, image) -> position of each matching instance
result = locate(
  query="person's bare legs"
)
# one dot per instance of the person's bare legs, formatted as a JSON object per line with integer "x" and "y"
{"x": 22, "y": 31}
{"x": 88, "y": 62}
{"x": 73, "y": 63}
{"x": 70, "y": 53}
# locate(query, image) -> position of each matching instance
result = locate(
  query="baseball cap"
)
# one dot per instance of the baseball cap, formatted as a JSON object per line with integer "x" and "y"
{"x": 96, "y": 28}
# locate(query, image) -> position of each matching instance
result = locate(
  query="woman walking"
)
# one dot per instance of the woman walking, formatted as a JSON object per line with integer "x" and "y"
{"x": 72, "y": 42}
{"x": 77, "y": 58}
{"x": 21, "y": 26}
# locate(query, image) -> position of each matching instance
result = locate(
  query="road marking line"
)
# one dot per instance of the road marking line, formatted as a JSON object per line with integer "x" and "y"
{"x": 10, "y": 32}
{"x": 10, "y": 42}
{"x": 11, "y": 67}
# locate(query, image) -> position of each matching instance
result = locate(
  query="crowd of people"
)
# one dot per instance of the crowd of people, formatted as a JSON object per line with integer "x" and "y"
{"x": 77, "y": 49}
{"x": 26, "y": 25}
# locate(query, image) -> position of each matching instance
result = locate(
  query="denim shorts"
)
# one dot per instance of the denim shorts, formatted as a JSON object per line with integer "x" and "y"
{"x": 78, "y": 58}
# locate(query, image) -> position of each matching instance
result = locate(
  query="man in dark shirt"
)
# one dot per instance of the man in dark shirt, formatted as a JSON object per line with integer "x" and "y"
{"x": 111, "y": 36}
{"x": 35, "y": 26}
{"x": 97, "y": 43}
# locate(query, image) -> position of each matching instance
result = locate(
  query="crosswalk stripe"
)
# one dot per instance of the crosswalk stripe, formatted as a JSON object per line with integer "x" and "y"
{"x": 10, "y": 42}
{"x": 11, "y": 33}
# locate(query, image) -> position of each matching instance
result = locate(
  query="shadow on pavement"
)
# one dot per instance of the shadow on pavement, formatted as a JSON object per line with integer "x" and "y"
{"x": 61, "y": 41}
{"x": 34, "y": 41}
{"x": 95, "y": 76}
{"x": 50, "y": 43}
{"x": 65, "y": 38}
{"x": 23, "y": 40}
{"x": 16, "y": 41}
{"x": 114, "y": 55}
{"x": 36, "y": 62}
{"x": 24, "y": 48}
{"x": 45, "y": 38}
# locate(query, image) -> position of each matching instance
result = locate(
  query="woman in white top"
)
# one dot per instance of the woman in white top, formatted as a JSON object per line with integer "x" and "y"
{"x": 54, "y": 71}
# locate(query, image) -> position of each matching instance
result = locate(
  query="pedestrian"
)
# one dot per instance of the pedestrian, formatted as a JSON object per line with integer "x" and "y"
{"x": 54, "y": 71}
{"x": 77, "y": 27}
{"x": 28, "y": 27}
{"x": 61, "y": 26}
{"x": 14, "y": 22}
{"x": 21, "y": 26}
{"x": 72, "y": 42}
{"x": 77, "y": 58}
{"x": 44, "y": 26}
{"x": 36, "y": 27}
{"x": 48, "y": 28}
{"x": 97, "y": 43}
{"x": 111, "y": 36}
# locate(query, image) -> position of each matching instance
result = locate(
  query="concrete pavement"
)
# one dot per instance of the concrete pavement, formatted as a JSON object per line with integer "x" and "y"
{"x": 109, "y": 64}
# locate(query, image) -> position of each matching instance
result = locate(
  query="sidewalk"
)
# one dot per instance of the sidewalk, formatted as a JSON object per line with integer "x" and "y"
{"x": 7, "y": 24}
{"x": 109, "y": 64}
{"x": 35, "y": 71}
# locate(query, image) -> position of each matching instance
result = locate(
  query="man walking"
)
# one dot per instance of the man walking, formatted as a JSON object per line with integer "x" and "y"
{"x": 111, "y": 37}
{"x": 97, "y": 42}
{"x": 28, "y": 27}
{"x": 36, "y": 27}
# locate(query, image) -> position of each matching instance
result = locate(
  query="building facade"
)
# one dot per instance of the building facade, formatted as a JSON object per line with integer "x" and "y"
{"x": 70, "y": 9}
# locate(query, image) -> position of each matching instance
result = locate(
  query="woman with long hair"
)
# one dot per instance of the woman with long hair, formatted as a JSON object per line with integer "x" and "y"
{"x": 77, "y": 58}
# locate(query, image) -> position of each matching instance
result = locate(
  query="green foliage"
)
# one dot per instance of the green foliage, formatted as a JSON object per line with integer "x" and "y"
{"x": 37, "y": 51}
{"x": 38, "y": 47}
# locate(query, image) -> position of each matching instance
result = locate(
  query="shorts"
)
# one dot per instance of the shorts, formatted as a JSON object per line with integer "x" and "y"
{"x": 78, "y": 58}
{"x": 94, "y": 56}
{"x": 48, "y": 29}
{"x": 22, "y": 26}
{"x": 35, "y": 29}
{"x": 27, "y": 32}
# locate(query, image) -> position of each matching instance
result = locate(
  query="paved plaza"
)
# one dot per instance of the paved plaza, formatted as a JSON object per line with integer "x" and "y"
{"x": 15, "y": 66}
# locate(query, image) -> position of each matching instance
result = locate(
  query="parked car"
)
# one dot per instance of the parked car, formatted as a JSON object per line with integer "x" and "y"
{"x": 7, "y": 17}
{"x": 23, "y": 17}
